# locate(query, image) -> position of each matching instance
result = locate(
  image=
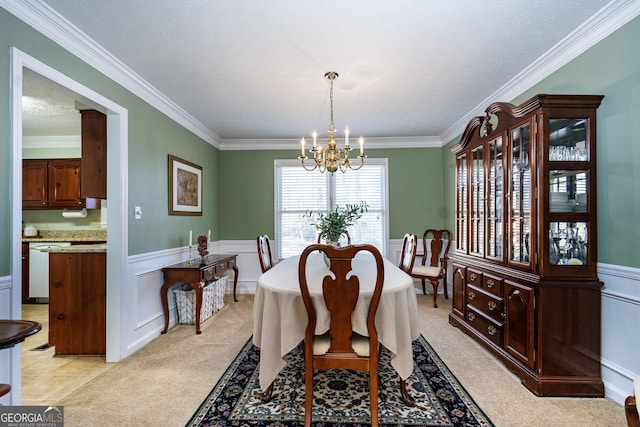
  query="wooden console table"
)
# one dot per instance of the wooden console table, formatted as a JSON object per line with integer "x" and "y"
{"x": 195, "y": 274}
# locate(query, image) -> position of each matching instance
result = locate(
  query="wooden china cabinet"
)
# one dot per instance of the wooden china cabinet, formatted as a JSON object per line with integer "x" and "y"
{"x": 524, "y": 270}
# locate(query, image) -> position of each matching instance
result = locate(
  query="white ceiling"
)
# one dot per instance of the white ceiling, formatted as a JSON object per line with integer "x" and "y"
{"x": 254, "y": 70}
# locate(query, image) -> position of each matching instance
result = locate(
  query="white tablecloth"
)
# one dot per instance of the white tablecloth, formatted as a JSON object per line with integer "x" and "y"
{"x": 280, "y": 318}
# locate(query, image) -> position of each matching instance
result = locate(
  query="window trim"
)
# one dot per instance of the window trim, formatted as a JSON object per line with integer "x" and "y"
{"x": 277, "y": 163}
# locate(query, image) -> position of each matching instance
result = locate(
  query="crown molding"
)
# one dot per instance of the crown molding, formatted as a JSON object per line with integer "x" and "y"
{"x": 294, "y": 144}
{"x": 608, "y": 19}
{"x": 47, "y": 21}
{"x": 54, "y": 26}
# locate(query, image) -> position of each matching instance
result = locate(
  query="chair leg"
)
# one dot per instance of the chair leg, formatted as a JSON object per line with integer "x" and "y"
{"x": 308, "y": 399}
{"x": 434, "y": 283}
{"x": 424, "y": 289}
{"x": 266, "y": 395}
{"x": 446, "y": 291}
{"x": 404, "y": 394}
{"x": 373, "y": 397}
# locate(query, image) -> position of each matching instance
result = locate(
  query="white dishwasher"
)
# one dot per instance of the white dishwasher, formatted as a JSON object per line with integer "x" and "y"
{"x": 39, "y": 268}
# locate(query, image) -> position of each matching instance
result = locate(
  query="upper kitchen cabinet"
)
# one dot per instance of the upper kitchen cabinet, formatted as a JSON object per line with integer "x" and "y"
{"x": 52, "y": 183}
{"x": 94, "y": 154}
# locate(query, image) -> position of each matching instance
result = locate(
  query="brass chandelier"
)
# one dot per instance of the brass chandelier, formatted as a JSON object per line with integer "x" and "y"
{"x": 332, "y": 158}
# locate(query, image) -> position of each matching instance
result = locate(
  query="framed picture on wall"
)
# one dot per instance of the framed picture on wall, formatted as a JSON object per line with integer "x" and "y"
{"x": 185, "y": 187}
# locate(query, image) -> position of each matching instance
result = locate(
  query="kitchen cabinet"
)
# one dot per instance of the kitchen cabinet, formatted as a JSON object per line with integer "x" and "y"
{"x": 51, "y": 184}
{"x": 77, "y": 302}
{"x": 525, "y": 278}
{"x": 94, "y": 154}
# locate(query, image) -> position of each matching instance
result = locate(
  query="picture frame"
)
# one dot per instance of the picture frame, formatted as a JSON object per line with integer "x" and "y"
{"x": 185, "y": 187}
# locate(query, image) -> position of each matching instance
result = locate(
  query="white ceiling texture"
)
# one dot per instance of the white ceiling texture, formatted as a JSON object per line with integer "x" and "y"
{"x": 250, "y": 74}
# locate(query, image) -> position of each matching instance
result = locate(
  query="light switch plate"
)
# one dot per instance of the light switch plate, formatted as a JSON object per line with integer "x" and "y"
{"x": 137, "y": 212}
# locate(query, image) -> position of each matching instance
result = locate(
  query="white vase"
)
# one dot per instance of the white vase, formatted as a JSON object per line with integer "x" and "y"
{"x": 326, "y": 258}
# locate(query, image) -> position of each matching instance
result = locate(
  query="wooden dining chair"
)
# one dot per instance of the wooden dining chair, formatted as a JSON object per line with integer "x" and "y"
{"x": 264, "y": 252}
{"x": 408, "y": 255}
{"x": 340, "y": 347}
{"x": 432, "y": 243}
{"x": 345, "y": 234}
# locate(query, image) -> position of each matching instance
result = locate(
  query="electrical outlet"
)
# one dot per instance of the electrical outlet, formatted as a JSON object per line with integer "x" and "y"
{"x": 137, "y": 212}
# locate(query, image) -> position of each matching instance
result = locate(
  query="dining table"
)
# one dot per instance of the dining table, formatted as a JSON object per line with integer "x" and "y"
{"x": 280, "y": 318}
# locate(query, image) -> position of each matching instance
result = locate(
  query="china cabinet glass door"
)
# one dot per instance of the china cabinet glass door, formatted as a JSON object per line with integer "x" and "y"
{"x": 495, "y": 195}
{"x": 568, "y": 227}
{"x": 476, "y": 239}
{"x": 520, "y": 195}
{"x": 461, "y": 203}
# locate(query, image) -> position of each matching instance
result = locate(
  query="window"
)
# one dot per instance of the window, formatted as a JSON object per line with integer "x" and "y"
{"x": 298, "y": 191}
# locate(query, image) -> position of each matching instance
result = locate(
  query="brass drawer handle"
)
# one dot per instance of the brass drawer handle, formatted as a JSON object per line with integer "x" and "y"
{"x": 472, "y": 295}
{"x": 504, "y": 315}
{"x": 472, "y": 276}
{"x": 492, "y": 330}
{"x": 491, "y": 284}
{"x": 471, "y": 317}
{"x": 492, "y": 305}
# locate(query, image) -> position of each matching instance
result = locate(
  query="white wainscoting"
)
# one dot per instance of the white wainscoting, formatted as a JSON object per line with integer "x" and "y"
{"x": 620, "y": 353}
{"x": 620, "y": 306}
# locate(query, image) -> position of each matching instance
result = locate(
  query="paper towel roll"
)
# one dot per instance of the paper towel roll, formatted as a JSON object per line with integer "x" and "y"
{"x": 75, "y": 214}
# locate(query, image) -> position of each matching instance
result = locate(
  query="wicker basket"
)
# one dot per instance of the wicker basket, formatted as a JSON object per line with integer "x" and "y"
{"x": 212, "y": 301}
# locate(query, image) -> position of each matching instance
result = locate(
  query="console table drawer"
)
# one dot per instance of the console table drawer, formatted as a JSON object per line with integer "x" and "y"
{"x": 484, "y": 325}
{"x": 209, "y": 273}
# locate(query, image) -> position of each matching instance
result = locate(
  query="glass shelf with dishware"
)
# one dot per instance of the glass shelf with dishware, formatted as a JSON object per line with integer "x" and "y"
{"x": 567, "y": 140}
{"x": 568, "y": 243}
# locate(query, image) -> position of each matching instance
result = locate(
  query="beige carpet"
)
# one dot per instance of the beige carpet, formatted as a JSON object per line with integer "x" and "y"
{"x": 164, "y": 383}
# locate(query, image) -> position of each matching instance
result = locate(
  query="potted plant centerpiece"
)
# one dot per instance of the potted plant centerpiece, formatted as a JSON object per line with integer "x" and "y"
{"x": 335, "y": 223}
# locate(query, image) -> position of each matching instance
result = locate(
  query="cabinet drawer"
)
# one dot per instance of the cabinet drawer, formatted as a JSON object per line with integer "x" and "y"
{"x": 486, "y": 326}
{"x": 485, "y": 302}
{"x": 474, "y": 277}
{"x": 492, "y": 284}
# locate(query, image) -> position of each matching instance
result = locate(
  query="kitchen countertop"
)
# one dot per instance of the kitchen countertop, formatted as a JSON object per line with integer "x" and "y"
{"x": 98, "y": 235}
{"x": 96, "y": 248}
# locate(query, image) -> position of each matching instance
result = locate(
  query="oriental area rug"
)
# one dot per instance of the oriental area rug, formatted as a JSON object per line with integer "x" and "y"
{"x": 341, "y": 397}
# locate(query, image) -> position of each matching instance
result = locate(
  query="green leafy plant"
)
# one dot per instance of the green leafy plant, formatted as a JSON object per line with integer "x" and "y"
{"x": 333, "y": 224}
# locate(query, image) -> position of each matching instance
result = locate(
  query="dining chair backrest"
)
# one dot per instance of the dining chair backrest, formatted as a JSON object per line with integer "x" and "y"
{"x": 408, "y": 255}
{"x": 264, "y": 252}
{"x": 341, "y": 347}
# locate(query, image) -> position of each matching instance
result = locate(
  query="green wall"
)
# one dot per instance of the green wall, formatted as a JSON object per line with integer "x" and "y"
{"x": 610, "y": 68}
{"x": 152, "y": 136}
{"x": 247, "y": 203}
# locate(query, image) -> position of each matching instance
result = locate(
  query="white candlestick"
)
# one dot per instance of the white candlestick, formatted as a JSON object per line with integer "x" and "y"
{"x": 361, "y": 146}
{"x": 209, "y": 236}
{"x": 346, "y": 137}
{"x": 315, "y": 136}
{"x": 302, "y": 147}
{"x": 190, "y": 238}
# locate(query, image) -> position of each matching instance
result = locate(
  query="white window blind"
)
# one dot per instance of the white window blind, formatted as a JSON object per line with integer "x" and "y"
{"x": 298, "y": 191}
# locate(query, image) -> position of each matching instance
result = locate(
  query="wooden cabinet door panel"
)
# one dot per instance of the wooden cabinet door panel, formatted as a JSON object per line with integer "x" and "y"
{"x": 64, "y": 183}
{"x": 34, "y": 183}
{"x": 94, "y": 154}
{"x": 77, "y": 303}
{"x": 519, "y": 322}
{"x": 458, "y": 289}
